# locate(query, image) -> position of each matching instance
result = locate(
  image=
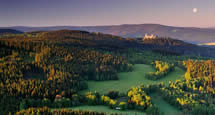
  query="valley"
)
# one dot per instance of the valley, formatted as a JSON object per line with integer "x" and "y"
{"x": 70, "y": 71}
{"x": 107, "y": 57}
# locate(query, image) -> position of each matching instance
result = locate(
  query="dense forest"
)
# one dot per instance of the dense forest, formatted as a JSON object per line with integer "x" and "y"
{"x": 10, "y": 31}
{"x": 44, "y": 70}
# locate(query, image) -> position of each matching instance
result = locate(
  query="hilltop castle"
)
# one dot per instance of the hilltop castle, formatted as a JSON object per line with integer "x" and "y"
{"x": 152, "y": 36}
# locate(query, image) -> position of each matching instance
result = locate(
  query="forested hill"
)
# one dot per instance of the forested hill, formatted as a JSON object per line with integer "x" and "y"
{"x": 190, "y": 34}
{"x": 177, "y": 47}
{"x": 87, "y": 39}
{"x": 95, "y": 39}
{"x": 10, "y": 31}
{"x": 111, "y": 42}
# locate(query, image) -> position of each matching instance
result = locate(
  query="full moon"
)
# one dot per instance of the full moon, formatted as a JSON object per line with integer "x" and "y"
{"x": 195, "y": 10}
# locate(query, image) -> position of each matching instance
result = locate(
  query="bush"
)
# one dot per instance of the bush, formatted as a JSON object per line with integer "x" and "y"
{"x": 138, "y": 99}
{"x": 163, "y": 68}
{"x": 93, "y": 98}
{"x": 46, "y": 102}
{"x": 123, "y": 105}
{"x": 112, "y": 103}
{"x": 105, "y": 100}
{"x": 113, "y": 94}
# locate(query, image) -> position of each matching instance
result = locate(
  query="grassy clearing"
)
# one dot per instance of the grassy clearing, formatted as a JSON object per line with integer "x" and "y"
{"x": 126, "y": 81}
{"x": 134, "y": 78}
{"x": 164, "y": 106}
{"x": 106, "y": 109}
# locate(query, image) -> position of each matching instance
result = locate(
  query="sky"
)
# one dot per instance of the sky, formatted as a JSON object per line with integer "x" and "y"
{"x": 186, "y": 13}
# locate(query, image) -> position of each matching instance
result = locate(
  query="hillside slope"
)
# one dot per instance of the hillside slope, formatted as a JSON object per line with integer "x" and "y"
{"x": 110, "y": 42}
{"x": 10, "y": 31}
{"x": 189, "y": 34}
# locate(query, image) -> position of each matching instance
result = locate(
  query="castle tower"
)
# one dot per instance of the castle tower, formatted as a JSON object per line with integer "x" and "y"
{"x": 152, "y": 36}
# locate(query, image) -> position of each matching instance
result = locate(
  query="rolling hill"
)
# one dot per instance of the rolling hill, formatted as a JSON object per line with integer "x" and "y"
{"x": 188, "y": 34}
{"x": 114, "y": 43}
{"x": 11, "y": 31}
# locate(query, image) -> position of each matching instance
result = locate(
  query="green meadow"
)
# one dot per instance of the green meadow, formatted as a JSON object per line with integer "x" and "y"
{"x": 132, "y": 79}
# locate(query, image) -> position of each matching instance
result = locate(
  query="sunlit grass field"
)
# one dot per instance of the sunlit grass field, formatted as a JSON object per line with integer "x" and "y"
{"x": 130, "y": 79}
{"x": 164, "y": 106}
{"x": 106, "y": 109}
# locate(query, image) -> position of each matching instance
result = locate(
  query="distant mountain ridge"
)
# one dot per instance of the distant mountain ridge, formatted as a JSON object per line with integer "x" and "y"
{"x": 11, "y": 31}
{"x": 188, "y": 34}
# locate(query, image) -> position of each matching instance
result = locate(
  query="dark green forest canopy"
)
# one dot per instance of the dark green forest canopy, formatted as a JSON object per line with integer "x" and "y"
{"x": 42, "y": 65}
{"x": 10, "y": 31}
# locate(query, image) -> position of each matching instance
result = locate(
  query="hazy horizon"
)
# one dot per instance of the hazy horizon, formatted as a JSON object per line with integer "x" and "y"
{"x": 43, "y": 13}
{"x": 212, "y": 27}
